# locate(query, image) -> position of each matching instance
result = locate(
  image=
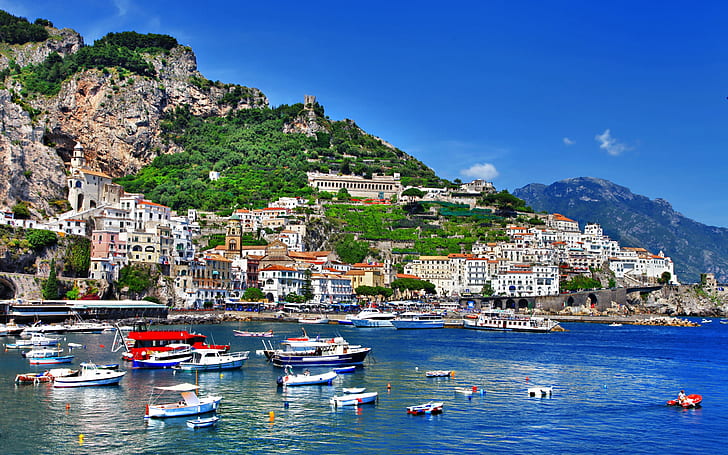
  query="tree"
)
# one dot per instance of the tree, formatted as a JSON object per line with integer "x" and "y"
{"x": 21, "y": 210}
{"x": 307, "y": 288}
{"x": 253, "y": 295}
{"x": 51, "y": 285}
{"x": 343, "y": 195}
{"x": 665, "y": 278}
{"x": 414, "y": 192}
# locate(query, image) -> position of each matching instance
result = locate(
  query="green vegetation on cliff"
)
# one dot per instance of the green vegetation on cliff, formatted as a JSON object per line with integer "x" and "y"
{"x": 17, "y": 30}
{"x": 258, "y": 162}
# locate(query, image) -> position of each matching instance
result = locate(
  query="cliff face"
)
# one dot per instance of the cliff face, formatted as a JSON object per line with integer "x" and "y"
{"x": 114, "y": 114}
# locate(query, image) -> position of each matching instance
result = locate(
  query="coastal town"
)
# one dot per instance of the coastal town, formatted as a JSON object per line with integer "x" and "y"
{"x": 126, "y": 228}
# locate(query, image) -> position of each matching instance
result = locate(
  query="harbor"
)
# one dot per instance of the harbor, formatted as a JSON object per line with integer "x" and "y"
{"x": 603, "y": 380}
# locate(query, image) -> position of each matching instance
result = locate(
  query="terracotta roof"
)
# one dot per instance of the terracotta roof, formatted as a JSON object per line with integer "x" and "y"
{"x": 97, "y": 173}
{"x": 404, "y": 275}
{"x": 278, "y": 268}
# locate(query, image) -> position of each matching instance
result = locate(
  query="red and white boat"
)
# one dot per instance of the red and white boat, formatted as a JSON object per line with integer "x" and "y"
{"x": 427, "y": 408}
{"x": 142, "y": 343}
{"x": 244, "y": 333}
{"x": 691, "y": 401}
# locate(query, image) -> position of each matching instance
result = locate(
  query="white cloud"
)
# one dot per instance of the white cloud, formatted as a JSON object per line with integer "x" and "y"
{"x": 485, "y": 171}
{"x": 568, "y": 141}
{"x": 610, "y": 144}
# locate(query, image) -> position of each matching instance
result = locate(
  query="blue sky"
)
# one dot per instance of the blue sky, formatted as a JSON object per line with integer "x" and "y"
{"x": 515, "y": 92}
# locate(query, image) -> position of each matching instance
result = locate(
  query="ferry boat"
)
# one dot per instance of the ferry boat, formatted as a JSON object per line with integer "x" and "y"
{"x": 142, "y": 343}
{"x": 412, "y": 320}
{"x": 508, "y": 320}
{"x": 373, "y": 317}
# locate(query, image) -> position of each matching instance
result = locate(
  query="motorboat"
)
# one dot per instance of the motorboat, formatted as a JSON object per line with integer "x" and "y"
{"x": 41, "y": 353}
{"x": 190, "y": 404}
{"x": 141, "y": 343}
{"x": 36, "y": 339}
{"x": 373, "y": 317}
{"x": 508, "y": 320}
{"x": 415, "y": 320}
{"x": 175, "y": 353}
{"x": 107, "y": 366}
{"x": 202, "y": 423}
{"x": 90, "y": 376}
{"x": 353, "y": 390}
{"x": 51, "y": 360}
{"x": 691, "y": 401}
{"x": 354, "y": 399}
{"x": 243, "y": 333}
{"x": 315, "y": 352}
{"x": 213, "y": 360}
{"x": 306, "y": 378}
{"x": 466, "y": 390}
{"x": 439, "y": 373}
{"x": 46, "y": 376}
{"x": 706, "y": 321}
{"x": 615, "y": 324}
{"x": 431, "y": 407}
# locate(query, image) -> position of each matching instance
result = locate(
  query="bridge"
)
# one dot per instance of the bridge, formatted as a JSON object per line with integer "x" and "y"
{"x": 19, "y": 286}
{"x": 600, "y": 299}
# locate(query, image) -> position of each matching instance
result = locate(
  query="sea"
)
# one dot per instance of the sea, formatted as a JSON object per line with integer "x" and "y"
{"x": 610, "y": 386}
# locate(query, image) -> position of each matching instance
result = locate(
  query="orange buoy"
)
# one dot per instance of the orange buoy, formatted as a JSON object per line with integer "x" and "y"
{"x": 389, "y": 386}
{"x": 68, "y": 406}
{"x": 271, "y": 416}
{"x": 475, "y": 388}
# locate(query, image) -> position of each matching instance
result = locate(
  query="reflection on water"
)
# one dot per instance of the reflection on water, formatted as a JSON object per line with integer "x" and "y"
{"x": 605, "y": 385}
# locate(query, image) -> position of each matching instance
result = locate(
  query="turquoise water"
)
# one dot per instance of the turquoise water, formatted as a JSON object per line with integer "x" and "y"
{"x": 610, "y": 385}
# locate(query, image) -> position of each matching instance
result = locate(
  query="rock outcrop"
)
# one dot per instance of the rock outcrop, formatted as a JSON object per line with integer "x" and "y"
{"x": 114, "y": 114}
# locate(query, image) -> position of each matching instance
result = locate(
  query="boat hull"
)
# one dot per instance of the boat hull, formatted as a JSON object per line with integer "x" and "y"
{"x": 354, "y": 399}
{"x": 202, "y": 423}
{"x": 303, "y": 379}
{"x": 228, "y": 365}
{"x": 158, "y": 363}
{"x": 369, "y": 323}
{"x": 51, "y": 360}
{"x": 98, "y": 378}
{"x": 408, "y": 325}
{"x": 506, "y": 326}
{"x": 205, "y": 405}
{"x": 353, "y": 357}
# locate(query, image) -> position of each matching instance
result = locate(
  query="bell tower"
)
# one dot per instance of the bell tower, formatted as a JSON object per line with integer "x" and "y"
{"x": 78, "y": 161}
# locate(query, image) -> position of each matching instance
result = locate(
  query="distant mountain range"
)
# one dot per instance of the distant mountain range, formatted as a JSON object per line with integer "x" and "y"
{"x": 636, "y": 220}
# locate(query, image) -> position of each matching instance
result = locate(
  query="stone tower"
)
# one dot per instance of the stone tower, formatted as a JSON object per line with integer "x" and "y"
{"x": 78, "y": 160}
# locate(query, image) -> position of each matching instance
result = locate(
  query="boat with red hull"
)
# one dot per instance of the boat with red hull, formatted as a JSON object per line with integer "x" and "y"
{"x": 691, "y": 401}
{"x": 142, "y": 343}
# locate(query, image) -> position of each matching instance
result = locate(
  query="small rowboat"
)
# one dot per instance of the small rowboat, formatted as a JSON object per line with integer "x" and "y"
{"x": 51, "y": 360}
{"x": 33, "y": 378}
{"x": 439, "y": 374}
{"x": 354, "y": 399}
{"x": 353, "y": 389}
{"x": 202, "y": 423}
{"x": 427, "y": 408}
{"x": 691, "y": 401}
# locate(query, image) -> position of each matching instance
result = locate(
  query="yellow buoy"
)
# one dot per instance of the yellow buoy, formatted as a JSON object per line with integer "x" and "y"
{"x": 271, "y": 416}
{"x": 80, "y": 439}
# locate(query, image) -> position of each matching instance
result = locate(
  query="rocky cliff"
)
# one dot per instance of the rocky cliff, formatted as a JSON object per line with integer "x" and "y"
{"x": 114, "y": 114}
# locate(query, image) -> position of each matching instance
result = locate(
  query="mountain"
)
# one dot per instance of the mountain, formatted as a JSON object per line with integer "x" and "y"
{"x": 635, "y": 220}
{"x": 130, "y": 99}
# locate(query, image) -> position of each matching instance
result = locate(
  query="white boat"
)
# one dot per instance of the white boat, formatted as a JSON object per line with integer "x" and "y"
{"x": 706, "y": 321}
{"x": 508, "y": 320}
{"x": 350, "y": 390}
{"x": 245, "y": 333}
{"x": 176, "y": 353}
{"x": 90, "y": 376}
{"x": 202, "y": 423}
{"x": 615, "y": 324}
{"x": 307, "y": 378}
{"x": 37, "y": 339}
{"x": 439, "y": 373}
{"x": 354, "y": 399}
{"x": 427, "y": 408}
{"x": 190, "y": 404}
{"x": 213, "y": 359}
{"x": 42, "y": 353}
{"x": 315, "y": 320}
{"x": 51, "y": 360}
{"x": 414, "y": 320}
{"x": 373, "y": 317}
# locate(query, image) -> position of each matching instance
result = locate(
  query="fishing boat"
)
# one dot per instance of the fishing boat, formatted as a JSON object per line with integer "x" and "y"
{"x": 373, "y": 317}
{"x": 141, "y": 343}
{"x": 615, "y": 324}
{"x": 176, "y": 353}
{"x": 353, "y": 399}
{"x": 51, "y": 360}
{"x": 306, "y": 378}
{"x": 439, "y": 373}
{"x": 508, "y": 320}
{"x": 41, "y": 353}
{"x": 243, "y": 333}
{"x": 691, "y": 401}
{"x": 414, "y": 320}
{"x": 315, "y": 352}
{"x": 427, "y": 408}
{"x": 190, "y": 404}
{"x": 33, "y": 378}
{"x": 36, "y": 339}
{"x": 213, "y": 360}
{"x": 202, "y": 423}
{"x": 90, "y": 376}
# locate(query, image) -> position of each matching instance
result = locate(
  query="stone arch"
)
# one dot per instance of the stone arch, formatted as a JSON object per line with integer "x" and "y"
{"x": 570, "y": 301}
{"x": 79, "y": 202}
{"x": 592, "y": 301}
{"x": 7, "y": 289}
{"x": 510, "y": 304}
{"x": 270, "y": 297}
{"x": 523, "y": 303}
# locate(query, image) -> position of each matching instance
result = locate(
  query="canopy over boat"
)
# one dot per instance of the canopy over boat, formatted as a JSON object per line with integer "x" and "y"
{"x": 184, "y": 387}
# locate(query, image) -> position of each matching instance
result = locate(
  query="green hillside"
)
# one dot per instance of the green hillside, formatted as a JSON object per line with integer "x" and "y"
{"x": 258, "y": 162}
